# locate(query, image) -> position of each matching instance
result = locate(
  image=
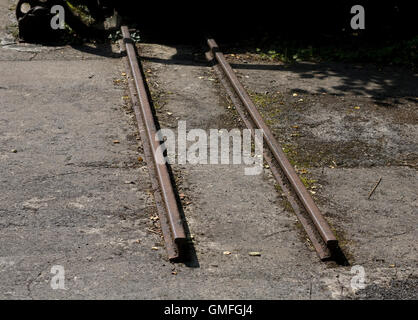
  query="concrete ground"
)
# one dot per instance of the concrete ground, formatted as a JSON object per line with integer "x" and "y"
{"x": 343, "y": 127}
{"x": 75, "y": 195}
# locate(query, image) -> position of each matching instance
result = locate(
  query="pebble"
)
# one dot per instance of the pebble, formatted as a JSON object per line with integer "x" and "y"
{"x": 254, "y": 254}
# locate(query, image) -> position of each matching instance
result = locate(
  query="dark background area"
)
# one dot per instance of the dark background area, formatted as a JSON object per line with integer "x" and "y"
{"x": 286, "y": 30}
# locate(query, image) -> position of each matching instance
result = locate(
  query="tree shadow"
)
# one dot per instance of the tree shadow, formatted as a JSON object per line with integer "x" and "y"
{"x": 385, "y": 85}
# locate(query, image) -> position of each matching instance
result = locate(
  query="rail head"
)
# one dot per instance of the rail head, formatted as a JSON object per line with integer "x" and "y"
{"x": 301, "y": 191}
{"x": 167, "y": 190}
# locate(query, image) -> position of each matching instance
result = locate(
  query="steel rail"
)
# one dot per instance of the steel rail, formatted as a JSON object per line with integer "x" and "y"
{"x": 173, "y": 214}
{"x": 290, "y": 173}
{"x": 318, "y": 243}
{"x": 173, "y": 251}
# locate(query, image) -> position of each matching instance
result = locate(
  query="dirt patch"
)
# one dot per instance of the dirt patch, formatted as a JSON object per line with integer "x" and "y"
{"x": 328, "y": 130}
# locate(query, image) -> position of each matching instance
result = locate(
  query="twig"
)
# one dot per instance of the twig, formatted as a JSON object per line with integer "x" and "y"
{"x": 153, "y": 231}
{"x": 374, "y": 188}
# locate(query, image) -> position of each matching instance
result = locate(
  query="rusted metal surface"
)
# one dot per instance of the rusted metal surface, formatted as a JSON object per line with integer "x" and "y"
{"x": 322, "y": 250}
{"x": 296, "y": 184}
{"x": 145, "y": 117}
{"x": 171, "y": 247}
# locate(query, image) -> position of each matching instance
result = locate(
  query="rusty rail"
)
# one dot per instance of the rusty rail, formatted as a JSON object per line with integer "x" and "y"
{"x": 145, "y": 116}
{"x": 302, "y": 193}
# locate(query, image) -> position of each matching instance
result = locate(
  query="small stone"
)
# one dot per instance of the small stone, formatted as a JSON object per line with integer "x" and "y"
{"x": 116, "y": 141}
{"x": 13, "y": 151}
{"x": 140, "y": 159}
{"x": 154, "y": 248}
{"x": 227, "y": 253}
{"x": 254, "y": 254}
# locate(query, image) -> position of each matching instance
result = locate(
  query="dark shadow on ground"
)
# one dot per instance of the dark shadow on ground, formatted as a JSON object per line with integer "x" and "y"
{"x": 101, "y": 50}
{"x": 377, "y": 82}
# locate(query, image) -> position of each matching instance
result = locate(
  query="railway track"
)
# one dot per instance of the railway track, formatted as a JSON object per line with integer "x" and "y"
{"x": 316, "y": 227}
